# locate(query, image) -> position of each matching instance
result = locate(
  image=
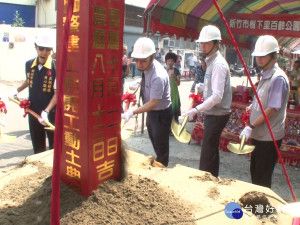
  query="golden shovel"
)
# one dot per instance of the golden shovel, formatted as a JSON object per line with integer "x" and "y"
{"x": 49, "y": 126}
{"x": 179, "y": 132}
{"x": 125, "y": 133}
{"x": 240, "y": 148}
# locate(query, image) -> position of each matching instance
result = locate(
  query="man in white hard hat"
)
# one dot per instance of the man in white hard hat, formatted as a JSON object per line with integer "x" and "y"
{"x": 273, "y": 92}
{"x": 217, "y": 98}
{"x": 40, "y": 79}
{"x": 155, "y": 93}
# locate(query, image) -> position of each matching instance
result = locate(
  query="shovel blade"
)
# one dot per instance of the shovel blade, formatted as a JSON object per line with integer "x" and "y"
{"x": 235, "y": 148}
{"x": 240, "y": 148}
{"x": 125, "y": 133}
{"x": 181, "y": 134}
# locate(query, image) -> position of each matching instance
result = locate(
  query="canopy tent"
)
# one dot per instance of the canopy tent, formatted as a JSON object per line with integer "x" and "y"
{"x": 296, "y": 52}
{"x": 185, "y": 18}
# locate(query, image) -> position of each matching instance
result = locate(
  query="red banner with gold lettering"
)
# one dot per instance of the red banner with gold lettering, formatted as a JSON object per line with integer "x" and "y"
{"x": 91, "y": 149}
{"x": 283, "y": 25}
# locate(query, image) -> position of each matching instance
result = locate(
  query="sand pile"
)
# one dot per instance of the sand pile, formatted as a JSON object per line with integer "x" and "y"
{"x": 147, "y": 195}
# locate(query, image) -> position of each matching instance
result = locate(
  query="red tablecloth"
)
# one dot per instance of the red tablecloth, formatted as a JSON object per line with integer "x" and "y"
{"x": 290, "y": 148}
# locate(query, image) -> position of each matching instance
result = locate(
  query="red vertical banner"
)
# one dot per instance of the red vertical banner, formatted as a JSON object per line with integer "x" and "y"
{"x": 91, "y": 152}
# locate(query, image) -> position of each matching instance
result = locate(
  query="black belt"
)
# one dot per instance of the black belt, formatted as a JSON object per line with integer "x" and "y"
{"x": 162, "y": 110}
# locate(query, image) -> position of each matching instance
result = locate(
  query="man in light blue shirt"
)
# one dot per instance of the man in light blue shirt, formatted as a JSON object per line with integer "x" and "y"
{"x": 155, "y": 92}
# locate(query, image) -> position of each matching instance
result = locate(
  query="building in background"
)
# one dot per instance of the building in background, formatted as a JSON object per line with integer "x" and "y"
{"x": 43, "y": 14}
{"x": 35, "y": 13}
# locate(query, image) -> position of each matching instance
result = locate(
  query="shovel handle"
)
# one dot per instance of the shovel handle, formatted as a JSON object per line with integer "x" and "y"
{"x": 50, "y": 126}
{"x": 183, "y": 125}
{"x": 242, "y": 142}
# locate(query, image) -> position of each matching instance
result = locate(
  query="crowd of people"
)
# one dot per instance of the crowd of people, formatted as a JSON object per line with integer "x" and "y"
{"x": 161, "y": 100}
{"x": 213, "y": 80}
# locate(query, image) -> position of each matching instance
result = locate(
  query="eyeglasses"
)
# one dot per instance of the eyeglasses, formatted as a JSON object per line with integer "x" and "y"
{"x": 43, "y": 48}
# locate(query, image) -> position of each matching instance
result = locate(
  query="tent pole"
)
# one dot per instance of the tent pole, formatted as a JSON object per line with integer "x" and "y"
{"x": 149, "y": 18}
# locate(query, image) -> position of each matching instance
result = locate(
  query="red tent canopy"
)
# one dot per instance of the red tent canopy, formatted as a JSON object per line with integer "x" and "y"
{"x": 185, "y": 18}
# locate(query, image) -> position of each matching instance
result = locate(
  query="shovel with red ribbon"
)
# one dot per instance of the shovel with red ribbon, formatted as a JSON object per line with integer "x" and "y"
{"x": 2, "y": 107}
{"x": 127, "y": 98}
{"x": 3, "y": 137}
{"x": 25, "y": 104}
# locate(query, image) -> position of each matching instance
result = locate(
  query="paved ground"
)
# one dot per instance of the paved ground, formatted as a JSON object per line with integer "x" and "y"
{"x": 14, "y": 152}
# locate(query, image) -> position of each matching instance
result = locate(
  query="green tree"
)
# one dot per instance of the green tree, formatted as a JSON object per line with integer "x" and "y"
{"x": 18, "y": 21}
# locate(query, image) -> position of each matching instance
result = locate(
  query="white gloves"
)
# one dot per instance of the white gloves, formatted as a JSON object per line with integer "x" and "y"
{"x": 191, "y": 113}
{"x": 247, "y": 132}
{"x": 200, "y": 87}
{"x": 134, "y": 85}
{"x": 44, "y": 117}
{"x": 14, "y": 94}
{"x": 127, "y": 115}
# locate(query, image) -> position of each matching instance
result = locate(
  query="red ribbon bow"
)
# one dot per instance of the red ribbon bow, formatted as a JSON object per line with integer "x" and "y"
{"x": 25, "y": 104}
{"x": 2, "y": 107}
{"x": 197, "y": 98}
{"x": 245, "y": 117}
{"x": 128, "y": 98}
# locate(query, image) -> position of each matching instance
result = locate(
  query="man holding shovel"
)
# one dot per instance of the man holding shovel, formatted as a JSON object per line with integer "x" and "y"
{"x": 217, "y": 98}
{"x": 40, "y": 79}
{"x": 273, "y": 92}
{"x": 155, "y": 93}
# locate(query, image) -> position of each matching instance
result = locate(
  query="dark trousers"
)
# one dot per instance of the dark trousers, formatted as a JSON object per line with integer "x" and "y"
{"x": 38, "y": 133}
{"x": 209, "y": 157}
{"x": 159, "y": 127}
{"x": 263, "y": 160}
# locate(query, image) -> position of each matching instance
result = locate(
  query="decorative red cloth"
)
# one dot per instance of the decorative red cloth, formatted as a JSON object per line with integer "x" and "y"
{"x": 290, "y": 147}
{"x": 2, "y": 107}
{"x": 25, "y": 104}
{"x": 128, "y": 98}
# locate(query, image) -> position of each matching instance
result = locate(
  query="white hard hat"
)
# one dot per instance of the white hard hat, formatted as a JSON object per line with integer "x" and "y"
{"x": 265, "y": 45}
{"x": 45, "y": 39}
{"x": 209, "y": 33}
{"x": 143, "y": 48}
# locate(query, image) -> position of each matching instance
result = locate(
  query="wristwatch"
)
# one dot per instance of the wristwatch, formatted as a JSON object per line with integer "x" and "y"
{"x": 250, "y": 125}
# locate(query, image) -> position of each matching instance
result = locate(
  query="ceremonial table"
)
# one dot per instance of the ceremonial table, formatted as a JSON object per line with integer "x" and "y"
{"x": 290, "y": 148}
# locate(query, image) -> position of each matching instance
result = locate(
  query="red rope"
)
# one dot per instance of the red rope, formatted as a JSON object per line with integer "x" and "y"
{"x": 58, "y": 135}
{"x": 260, "y": 105}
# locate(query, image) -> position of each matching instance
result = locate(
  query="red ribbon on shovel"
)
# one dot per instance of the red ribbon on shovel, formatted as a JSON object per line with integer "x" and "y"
{"x": 128, "y": 98}
{"x": 2, "y": 107}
